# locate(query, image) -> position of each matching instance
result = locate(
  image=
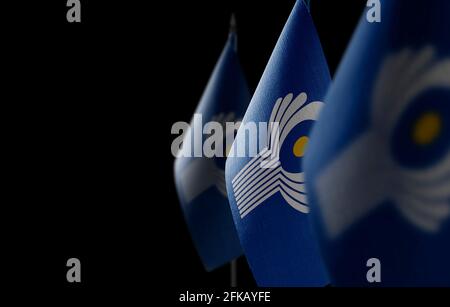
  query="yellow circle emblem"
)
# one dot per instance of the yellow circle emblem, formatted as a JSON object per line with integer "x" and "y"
{"x": 300, "y": 146}
{"x": 427, "y": 128}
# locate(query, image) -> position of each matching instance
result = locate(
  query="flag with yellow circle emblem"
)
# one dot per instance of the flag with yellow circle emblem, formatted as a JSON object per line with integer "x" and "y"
{"x": 267, "y": 189}
{"x": 378, "y": 165}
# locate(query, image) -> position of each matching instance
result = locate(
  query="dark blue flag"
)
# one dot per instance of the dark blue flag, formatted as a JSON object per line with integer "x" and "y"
{"x": 200, "y": 180}
{"x": 266, "y": 189}
{"x": 378, "y": 166}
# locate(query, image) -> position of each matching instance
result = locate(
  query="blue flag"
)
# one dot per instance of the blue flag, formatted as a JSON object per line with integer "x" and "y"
{"x": 378, "y": 165}
{"x": 266, "y": 189}
{"x": 200, "y": 181}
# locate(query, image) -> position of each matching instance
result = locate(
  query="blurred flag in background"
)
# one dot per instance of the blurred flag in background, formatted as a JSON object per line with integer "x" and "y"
{"x": 267, "y": 193}
{"x": 200, "y": 181}
{"x": 378, "y": 166}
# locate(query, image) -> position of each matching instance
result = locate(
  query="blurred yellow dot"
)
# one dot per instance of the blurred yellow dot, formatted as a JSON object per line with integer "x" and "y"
{"x": 427, "y": 128}
{"x": 300, "y": 146}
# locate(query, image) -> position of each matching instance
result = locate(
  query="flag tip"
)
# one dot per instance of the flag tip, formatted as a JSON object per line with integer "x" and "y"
{"x": 233, "y": 25}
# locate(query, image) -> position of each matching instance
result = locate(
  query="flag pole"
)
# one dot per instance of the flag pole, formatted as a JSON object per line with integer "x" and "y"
{"x": 233, "y": 264}
{"x": 233, "y": 30}
{"x": 233, "y": 273}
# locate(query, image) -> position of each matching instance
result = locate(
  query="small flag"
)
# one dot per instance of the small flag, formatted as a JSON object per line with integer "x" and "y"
{"x": 378, "y": 166}
{"x": 267, "y": 191}
{"x": 200, "y": 181}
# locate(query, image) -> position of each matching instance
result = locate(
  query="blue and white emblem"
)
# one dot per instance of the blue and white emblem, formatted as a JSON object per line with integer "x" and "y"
{"x": 264, "y": 175}
{"x": 404, "y": 155}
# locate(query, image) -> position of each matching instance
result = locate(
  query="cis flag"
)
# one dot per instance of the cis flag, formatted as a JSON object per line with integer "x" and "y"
{"x": 267, "y": 191}
{"x": 378, "y": 165}
{"x": 200, "y": 181}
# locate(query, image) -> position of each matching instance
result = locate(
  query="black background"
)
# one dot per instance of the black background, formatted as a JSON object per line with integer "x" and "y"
{"x": 93, "y": 105}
